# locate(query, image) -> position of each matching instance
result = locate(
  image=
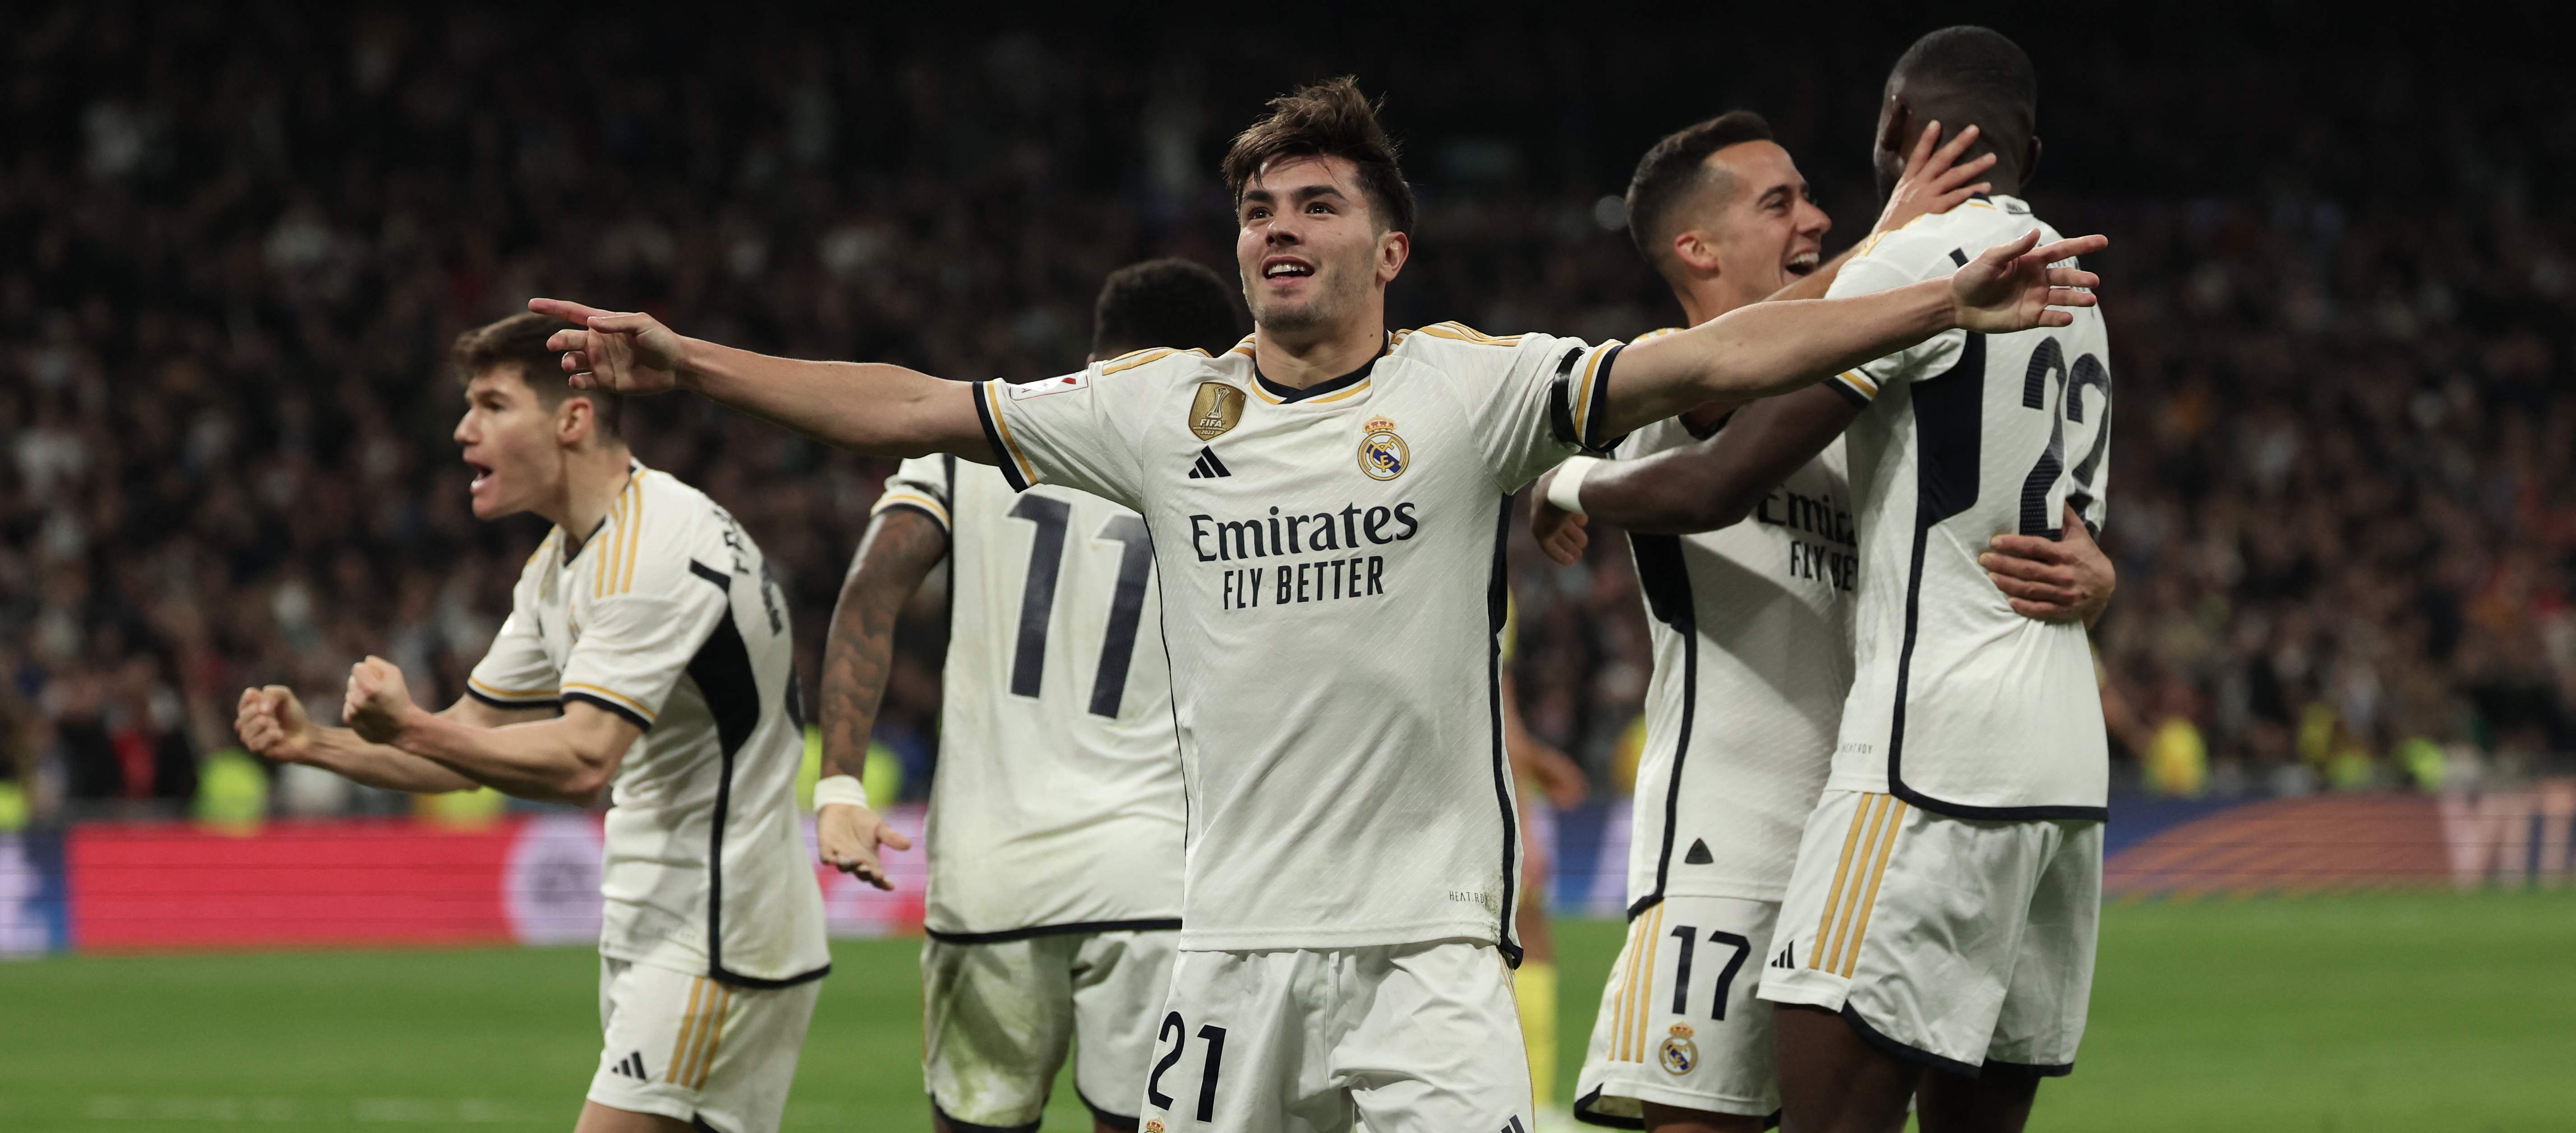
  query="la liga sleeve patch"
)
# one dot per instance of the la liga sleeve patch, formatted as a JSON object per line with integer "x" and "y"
{"x": 1070, "y": 383}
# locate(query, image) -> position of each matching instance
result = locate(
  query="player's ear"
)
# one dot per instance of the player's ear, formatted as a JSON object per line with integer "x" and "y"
{"x": 1393, "y": 248}
{"x": 1896, "y": 127}
{"x": 2029, "y": 163}
{"x": 1691, "y": 248}
{"x": 575, "y": 420}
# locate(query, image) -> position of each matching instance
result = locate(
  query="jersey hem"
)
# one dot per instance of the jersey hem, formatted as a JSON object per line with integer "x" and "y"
{"x": 737, "y": 979}
{"x": 1974, "y": 812}
{"x": 1774, "y": 895}
{"x": 1071, "y": 928}
{"x": 1308, "y": 940}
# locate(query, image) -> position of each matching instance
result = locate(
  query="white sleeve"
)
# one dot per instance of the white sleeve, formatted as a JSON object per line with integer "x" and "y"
{"x": 1546, "y": 403}
{"x": 637, "y": 644}
{"x": 1877, "y": 270}
{"x": 1080, "y": 430}
{"x": 925, "y": 484}
{"x": 515, "y": 672}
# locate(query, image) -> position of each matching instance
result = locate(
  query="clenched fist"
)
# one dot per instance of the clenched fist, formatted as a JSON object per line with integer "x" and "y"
{"x": 272, "y": 724}
{"x": 378, "y": 705}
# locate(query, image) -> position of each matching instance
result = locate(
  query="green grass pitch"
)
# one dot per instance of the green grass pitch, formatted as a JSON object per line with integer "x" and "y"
{"x": 2395, "y": 1012}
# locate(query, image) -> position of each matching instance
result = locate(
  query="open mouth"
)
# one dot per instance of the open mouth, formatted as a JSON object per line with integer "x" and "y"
{"x": 1803, "y": 264}
{"x": 1283, "y": 267}
{"x": 482, "y": 472}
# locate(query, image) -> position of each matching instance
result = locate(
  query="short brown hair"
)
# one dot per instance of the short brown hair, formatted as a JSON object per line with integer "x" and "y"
{"x": 521, "y": 339}
{"x": 1328, "y": 119}
{"x": 1674, "y": 168}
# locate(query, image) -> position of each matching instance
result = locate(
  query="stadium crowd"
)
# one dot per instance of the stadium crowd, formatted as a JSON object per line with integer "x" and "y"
{"x": 235, "y": 244}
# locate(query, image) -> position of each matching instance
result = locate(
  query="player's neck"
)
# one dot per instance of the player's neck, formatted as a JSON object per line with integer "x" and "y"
{"x": 592, "y": 480}
{"x": 1299, "y": 361}
{"x": 1707, "y": 298}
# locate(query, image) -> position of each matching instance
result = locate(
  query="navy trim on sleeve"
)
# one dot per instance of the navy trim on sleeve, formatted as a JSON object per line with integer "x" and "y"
{"x": 497, "y": 702}
{"x": 1600, "y": 407}
{"x": 1851, "y": 395}
{"x": 993, "y": 436}
{"x": 632, "y": 716}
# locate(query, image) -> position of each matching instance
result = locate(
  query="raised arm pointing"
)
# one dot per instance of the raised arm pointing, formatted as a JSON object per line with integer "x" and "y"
{"x": 875, "y": 409}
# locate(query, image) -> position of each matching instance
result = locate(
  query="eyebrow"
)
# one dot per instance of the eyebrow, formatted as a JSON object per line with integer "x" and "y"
{"x": 1307, "y": 193}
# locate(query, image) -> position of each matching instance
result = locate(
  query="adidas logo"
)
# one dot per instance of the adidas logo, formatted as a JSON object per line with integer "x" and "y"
{"x": 1788, "y": 957}
{"x": 1514, "y": 1126}
{"x": 1698, "y": 854}
{"x": 1208, "y": 467}
{"x": 632, "y": 1066}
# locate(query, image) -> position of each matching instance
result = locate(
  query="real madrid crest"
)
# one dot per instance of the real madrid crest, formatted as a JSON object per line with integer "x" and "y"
{"x": 1679, "y": 1054}
{"x": 1383, "y": 454}
{"x": 1215, "y": 410}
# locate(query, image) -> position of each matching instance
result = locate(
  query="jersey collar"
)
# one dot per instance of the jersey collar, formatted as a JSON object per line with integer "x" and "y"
{"x": 572, "y": 547}
{"x": 1282, "y": 394}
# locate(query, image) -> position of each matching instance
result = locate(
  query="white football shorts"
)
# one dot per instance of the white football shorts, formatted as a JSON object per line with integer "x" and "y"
{"x": 997, "y": 1017}
{"x": 1402, "y": 1038}
{"x": 1963, "y": 944}
{"x": 1680, "y": 1024}
{"x": 691, "y": 1048}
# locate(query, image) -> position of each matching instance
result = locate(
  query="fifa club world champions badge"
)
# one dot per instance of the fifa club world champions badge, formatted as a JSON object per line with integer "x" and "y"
{"x": 1215, "y": 410}
{"x": 1678, "y": 1054}
{"x": 1382, "y": 453}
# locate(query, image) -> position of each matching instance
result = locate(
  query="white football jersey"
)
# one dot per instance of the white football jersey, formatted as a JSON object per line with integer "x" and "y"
{"x": 666, "y": 615}
{"x": 1331, "y": 561}
{"x": 1057, "y": 802}
{"x": 1958, "y": 704}
{"x": 1752, "y": 634}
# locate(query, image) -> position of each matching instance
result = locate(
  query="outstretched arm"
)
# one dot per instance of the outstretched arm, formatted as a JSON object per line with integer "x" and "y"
{"x": 864, "y": 407}
{"x": 1697, "y": 487}
{"x": 569, "y": 758}
{"x": 897, "y": 553}
{"x": 272, "y": 723}
{"x": 1772, "y": 348}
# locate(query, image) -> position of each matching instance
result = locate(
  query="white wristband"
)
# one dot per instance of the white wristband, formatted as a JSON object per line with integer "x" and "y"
{"x": 839, "y": 790}
{"x": 1566, "y": 491}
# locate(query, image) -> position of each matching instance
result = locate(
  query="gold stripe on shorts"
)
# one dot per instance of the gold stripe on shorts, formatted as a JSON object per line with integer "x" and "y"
{"x": 1877, "y": 873}
{"x": 1842, "y": 872}
{"x": 688, "y": 1026}
{"x": 1641, "y": 994}
{"x": 710, "y": 1034}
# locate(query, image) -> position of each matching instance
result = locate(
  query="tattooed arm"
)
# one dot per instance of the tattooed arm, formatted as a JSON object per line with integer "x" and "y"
{"x": 901, "y": 546}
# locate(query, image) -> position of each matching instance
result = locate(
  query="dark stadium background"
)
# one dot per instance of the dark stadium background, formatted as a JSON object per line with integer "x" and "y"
{"x": 235, "y": 241}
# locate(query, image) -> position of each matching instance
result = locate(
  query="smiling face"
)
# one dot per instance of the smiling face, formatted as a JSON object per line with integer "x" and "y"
{"x": 1766, "y": 232}
{"x": 1312, "y": 255}
{"x": 513, "y": 442}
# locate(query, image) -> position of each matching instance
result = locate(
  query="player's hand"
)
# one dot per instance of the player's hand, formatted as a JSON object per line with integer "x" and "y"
{"x": 2012, "y": 287}
{"x": 850, "y": 835}
{"x": 272, "y": 724}
{"x": 1559, "y": 532}
{"x": 2053, "y": 579}
{"x": 1558, "y": 775}
{"x": 624, "y": 352}
{"x": 378, "y": 705}
{"x": 1935, "y": 180}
